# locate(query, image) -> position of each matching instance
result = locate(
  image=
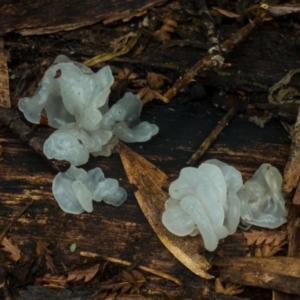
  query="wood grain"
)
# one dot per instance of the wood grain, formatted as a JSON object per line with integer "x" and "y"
{"x": 4, "y": 86}
{"x": 124, "y": 232}
{"x": 44, "y": 17}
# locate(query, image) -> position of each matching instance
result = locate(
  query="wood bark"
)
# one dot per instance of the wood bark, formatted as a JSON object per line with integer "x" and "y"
{"x": 43, "y": 17}
{"x": 277, "y": 273}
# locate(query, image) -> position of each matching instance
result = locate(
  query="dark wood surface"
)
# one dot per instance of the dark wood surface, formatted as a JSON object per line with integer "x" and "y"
{"x": 262, "y": 60}
{"x": 124, "y": 232}
{"x": 42, "y": 17}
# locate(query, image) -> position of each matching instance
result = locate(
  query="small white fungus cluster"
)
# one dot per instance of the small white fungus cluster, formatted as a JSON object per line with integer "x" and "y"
{"x": 211, "y": 199}
{"x": 75, "y": 100}
{"x": 76, "y": 189}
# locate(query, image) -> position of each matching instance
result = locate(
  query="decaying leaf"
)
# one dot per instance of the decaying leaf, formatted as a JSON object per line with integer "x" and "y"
{"x": 14, "y": 251}
{"x": 228, "y": 288}
{"x": 153, "y": 84}
{"x": 281, "y": 10}
{"x": 119, "y": 43}
{"x": 123, "y": 73}
{"x": 147, "y": 95}
{"x": 53, "y": 281}
{"x": 156, "y": 81}
{"x": 225, "y": 12}
{"x": 41, "y": 249}
{"x": 127, "y": 281}
{"x": 268, "y": 249}
{"x": 43, "y": 117}
{"x": 169, "y": 26}
{"x": 151, "y": 184}
{"x": 281, "y": 92}
{"x": 86, "y": 274}
{"x": 258, "y": 237}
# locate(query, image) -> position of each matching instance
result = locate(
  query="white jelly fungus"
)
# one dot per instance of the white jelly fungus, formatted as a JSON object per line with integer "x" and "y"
{"x": 211, "y": 199}
{"x": 262, "y": 203}
{"x": 75, "y": 190}
{"x": 75, "y": 100}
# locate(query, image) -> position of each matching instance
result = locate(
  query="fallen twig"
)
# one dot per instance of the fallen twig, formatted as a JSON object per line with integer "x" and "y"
{"x": 11, "y": 119}
{"x": 206, "y": 62}
{"x": 127, "y": 263}
{"x": 16, "y": 217}
{"x": 217, "y": 60}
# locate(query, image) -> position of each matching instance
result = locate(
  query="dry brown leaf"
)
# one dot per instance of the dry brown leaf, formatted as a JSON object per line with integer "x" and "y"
{"x": 225, "y": 12}
{"x": 125, "y": 72}
{"x": 156, "y": 81}
{"x": 14, "y": 251}
{"x": 168, "y": 27}
{"x": 53, "y": 281}
{"x": 151, "y": 91}
{"x": 119, "y": 43}
{"x": 151, "y": 195}
{"x": 86, "y": 274}
{"x": 256, "y": 237}
{"x": 41, "y": 249}
{"x": 128, "y": 281}
{"x": 147, "y": 95}
{"x": 228, "y": 289}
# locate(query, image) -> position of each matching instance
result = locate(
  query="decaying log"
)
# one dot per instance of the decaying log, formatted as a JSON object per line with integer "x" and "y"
{"x": 277, "y": 273}
{"x": 293, "y": 230}
{"x": 4, "y": 87}
{"x": 42, "y": 17}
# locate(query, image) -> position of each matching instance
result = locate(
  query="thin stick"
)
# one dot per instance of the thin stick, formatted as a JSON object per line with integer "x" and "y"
{"x": 127, "y": 263}
{"x": 206, "y": 62}
{"x": 215, "y": 49}
{"x": 213, "y": 135}
{"x": 15, "y": 218}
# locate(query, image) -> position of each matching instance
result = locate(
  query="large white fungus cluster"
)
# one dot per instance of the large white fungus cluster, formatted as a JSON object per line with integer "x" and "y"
{"x": 76, "y": 189}
{"x": 75, "y": 100}
{"x": 211, "y": 199}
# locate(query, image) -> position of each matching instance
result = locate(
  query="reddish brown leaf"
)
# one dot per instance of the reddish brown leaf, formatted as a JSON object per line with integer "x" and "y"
{"x": 156, "y": 81}
{"x": 255, "y": 237}
{"x": 86, "y": 274}
{"x": 41, "y": 249}
{"x": 168, "y": 27}
{"x": 15, "y": 252}
{"x": 43, "y": 117}
{"x": 53, "y": 281}
{"x": 228, "y": 288}
{"x": 128, "y": 281}
{"x": 58, "y": 73}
